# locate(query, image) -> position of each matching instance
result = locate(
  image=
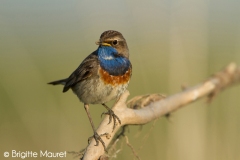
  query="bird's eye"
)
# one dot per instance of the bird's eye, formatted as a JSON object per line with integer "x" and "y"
{"x": 114, "y": 42}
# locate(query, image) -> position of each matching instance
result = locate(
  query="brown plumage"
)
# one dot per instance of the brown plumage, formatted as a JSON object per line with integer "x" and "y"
{"x": 102, "y": 76}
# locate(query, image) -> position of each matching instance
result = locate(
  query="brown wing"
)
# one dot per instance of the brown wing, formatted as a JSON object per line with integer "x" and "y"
{"x": 86, "y": 69}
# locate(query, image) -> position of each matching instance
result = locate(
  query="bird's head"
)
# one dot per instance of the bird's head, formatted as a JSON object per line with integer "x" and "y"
{"x": 116, "y": 40}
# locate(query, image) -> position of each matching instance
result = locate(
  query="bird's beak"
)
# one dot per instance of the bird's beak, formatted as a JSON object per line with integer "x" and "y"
{"x": 102, "y": 43}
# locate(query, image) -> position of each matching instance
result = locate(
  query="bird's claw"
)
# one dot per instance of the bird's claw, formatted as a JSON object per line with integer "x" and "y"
{"x": 113, "y": 116}
{"x": 98, "y": 138}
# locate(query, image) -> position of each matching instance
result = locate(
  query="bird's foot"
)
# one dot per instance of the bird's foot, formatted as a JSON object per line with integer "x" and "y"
{"x": 113, "y": 116}
{"x": 98, "y": 138}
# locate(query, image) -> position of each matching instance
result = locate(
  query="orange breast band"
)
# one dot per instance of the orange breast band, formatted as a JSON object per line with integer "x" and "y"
{"x": 115, "y": 80}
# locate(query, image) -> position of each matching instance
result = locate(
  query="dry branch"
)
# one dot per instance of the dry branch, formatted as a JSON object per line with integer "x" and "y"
{"x": 154, "y": 107}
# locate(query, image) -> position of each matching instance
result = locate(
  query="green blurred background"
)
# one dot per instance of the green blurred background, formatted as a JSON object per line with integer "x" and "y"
{"x": 171, "y": 43}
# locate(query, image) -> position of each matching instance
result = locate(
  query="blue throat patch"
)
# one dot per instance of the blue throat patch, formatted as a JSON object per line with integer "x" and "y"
{"x": 111, "y": 62}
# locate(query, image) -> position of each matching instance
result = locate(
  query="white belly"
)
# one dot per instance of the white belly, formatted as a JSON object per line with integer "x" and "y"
{"x": 94, "y": 91}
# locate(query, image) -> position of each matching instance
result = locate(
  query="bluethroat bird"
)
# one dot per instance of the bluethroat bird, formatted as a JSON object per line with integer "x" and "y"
{"x": 102, "y": 76}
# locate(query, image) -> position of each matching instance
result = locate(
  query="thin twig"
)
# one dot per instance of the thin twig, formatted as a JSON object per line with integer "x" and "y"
{"x": 210, "y": 87}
